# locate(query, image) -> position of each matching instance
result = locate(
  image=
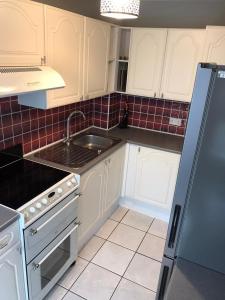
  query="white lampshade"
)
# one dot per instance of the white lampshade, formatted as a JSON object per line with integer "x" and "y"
{"x": 120, "y": 9}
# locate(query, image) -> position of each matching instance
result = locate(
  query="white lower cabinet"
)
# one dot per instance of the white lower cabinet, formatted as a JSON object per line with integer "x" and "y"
{"x": 114, "y": 173}
{"x": 90, "y": 202}
{"x": 100, "y": 189}
{"x": 151, "y": 178}
{"x": 12, "y": 280}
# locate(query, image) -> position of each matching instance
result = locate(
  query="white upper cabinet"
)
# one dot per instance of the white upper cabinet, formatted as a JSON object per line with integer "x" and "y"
{"x": 64, "y": 53}
{"x": 146, "y": 61}
{"x": 183, "y": 53}
{"x": 21, "y": 33}
{"x": 97, "y": 37}
{"x": 215, "y": 45}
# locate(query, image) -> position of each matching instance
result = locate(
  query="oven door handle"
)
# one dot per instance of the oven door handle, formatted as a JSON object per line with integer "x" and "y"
{"x": 34, "y": 231}
{"x": 36, "y": 266}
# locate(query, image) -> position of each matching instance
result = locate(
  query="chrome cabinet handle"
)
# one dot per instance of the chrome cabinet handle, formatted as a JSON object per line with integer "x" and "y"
{"x": 33, "y": 231}
{"x": 4, "y": 243}
{"x": 36, "y": 266}
{"x": 162, "y": 95}
{"x": 154, "y": 95}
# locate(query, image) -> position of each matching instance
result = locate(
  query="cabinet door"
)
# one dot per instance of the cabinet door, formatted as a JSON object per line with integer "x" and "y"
{"x": 97, "y": 36}
{"x": 146, "y": 61}
{"x": 21, "y": 32}
{"x": 114, "y": 165}
{"x": 12, "y": 282}
{"x": 215, "y": 45}
{"x": 64, "y": 49}
{"x": 154, "y": 176}
{"x": 183, "y": 53}
{"x": 90, "y": 203}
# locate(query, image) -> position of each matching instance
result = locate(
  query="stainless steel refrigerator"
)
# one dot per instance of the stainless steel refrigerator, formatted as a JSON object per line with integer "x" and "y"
{"x": 193, "y": 266}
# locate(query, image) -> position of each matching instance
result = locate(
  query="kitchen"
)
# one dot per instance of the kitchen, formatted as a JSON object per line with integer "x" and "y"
{"x": 93, "y": 118}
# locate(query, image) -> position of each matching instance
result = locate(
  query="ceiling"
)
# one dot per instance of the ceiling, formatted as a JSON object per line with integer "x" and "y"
{"x": 156, "y": 13}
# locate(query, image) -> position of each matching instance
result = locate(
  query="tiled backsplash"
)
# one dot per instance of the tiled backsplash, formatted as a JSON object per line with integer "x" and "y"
{"x": 154, "y": 114}
{"x": 35, "y": 128}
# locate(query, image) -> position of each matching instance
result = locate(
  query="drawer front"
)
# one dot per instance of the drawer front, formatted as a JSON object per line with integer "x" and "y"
{"x": 42, "y": 232}
{"x": 9, "y": 237}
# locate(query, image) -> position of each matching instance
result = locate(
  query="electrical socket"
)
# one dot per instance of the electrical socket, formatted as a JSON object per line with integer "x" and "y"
{"x": 175, "y": 121}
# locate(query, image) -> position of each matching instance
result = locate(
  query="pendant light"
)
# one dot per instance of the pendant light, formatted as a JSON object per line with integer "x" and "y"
{"x": 120, "y": 9}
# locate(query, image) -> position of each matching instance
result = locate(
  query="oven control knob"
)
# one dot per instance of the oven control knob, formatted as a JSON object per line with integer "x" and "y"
{"x": 60, "y": 190}
{"x": 38, "y": 205}
{"x": 69, "y": 183}
{"x": 32, "y": 210}
{"x": 73, "y": 180}
{"x": 26, "y": 215}
{"x": 44, "y": 201}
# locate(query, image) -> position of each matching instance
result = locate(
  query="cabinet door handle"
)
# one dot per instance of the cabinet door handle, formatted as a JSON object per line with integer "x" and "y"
{"x": 4, "y": 243}
{"x": 139, "y": 149}
{"x": 154, "y": 95}
{"x": 174, "y": 226}
{"x": 162, "y": 95}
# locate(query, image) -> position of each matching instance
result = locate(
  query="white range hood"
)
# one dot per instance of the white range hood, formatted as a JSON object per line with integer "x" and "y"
{"x": 25, "y": 80}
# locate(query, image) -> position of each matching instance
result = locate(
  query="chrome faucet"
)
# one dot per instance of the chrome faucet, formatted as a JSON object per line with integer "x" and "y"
{"x": 68, "y": 138}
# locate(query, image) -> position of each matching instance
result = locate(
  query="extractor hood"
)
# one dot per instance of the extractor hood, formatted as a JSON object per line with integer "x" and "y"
{"x": 23, "y": 80}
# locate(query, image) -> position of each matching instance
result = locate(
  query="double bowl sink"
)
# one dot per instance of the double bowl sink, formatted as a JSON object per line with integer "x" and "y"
{"x": 81, "y": 150}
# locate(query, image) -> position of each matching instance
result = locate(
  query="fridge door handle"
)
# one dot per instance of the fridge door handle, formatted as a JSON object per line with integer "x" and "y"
{"x": 174, "y": 226}
{"x": 163, "y": 283}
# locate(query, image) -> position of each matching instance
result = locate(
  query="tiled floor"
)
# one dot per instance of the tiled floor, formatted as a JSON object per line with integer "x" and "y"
{"x": 121, "y": 262}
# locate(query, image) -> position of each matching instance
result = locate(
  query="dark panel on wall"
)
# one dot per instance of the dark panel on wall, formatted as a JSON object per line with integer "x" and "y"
{"x": 157, "y": 13}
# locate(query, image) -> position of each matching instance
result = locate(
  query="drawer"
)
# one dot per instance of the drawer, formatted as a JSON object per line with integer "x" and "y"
{"x": 9, "y": 237}
{"x": 43, "y": 231}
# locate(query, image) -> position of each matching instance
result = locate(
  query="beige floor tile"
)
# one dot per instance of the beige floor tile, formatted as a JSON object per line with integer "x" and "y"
{"x": 144, "y": 271}
{"x": 119, "y": 213}
{"x": 73, "y": 273}
{"x": 107, "y": 229}
{"x": 127, "y": 236}
{"x": 137, "y": 220}
{"x": 96, "y": 283}
{"x": 113, "y": 257}
{"x": 128, "y": 290}
{"x": 152, "y": 246}
{"x": 72, "y": 296}
{"x": 57, "y": 293}
{"x": 159, "y": 228}
{"x": 91, "y": 248}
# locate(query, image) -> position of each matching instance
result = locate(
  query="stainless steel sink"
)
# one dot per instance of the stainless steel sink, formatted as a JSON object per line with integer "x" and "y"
{"x": 82, "y": 149}
{"x": 93, "y": 142}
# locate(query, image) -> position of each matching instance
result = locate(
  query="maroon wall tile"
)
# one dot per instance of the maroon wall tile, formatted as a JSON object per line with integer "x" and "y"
{"x": 35, "y": 128}
{"x": 154, "y": 114}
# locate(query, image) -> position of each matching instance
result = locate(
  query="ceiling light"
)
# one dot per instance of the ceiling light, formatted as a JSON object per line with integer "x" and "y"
{"x": 120, "y": 9}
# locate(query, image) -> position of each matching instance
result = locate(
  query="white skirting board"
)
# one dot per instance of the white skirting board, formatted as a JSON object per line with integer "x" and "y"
{"x": 147, "y": 209}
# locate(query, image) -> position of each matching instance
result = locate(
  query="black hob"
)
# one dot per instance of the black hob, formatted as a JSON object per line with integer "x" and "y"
{"x": 22, "y": 180}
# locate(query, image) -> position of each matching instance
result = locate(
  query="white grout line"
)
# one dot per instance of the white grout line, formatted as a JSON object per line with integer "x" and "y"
{"x": 122, "y": 276}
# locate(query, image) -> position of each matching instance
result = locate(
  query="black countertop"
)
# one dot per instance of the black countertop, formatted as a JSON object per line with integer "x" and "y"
{"x": 154, "y": 139}
{"x": 7, "y": 217}
{"x": 190, "y": 281}
{"x": 147, "y": 138}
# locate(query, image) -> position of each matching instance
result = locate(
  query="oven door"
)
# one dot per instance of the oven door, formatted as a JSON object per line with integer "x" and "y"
{"x": 47, "y": 268}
